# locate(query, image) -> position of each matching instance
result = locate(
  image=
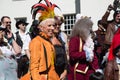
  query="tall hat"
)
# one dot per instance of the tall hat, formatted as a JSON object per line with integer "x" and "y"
{"x": 46, "y": 10}
{"x": 115, "y": 44}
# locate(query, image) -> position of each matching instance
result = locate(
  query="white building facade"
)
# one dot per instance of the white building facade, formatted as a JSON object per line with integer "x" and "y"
{"x": 16, "y": 9}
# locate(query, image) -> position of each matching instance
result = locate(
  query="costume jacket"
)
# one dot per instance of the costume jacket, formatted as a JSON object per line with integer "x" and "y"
{"x": 111, "y": 71}
{"x": 104, "y": 20}
{"x": 37, "y": 59}
{"x": 111, "y": 29}
{"x": 76, "y": 56}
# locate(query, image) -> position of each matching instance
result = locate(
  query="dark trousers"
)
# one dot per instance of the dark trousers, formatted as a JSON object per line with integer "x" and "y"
{"x": 23, "y": 65}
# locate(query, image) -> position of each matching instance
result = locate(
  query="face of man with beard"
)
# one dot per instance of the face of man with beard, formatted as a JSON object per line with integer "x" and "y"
{"x": 6, "y": 23}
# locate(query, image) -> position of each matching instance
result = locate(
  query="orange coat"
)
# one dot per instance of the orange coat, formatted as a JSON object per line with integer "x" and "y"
{"x": 38, "y": 62}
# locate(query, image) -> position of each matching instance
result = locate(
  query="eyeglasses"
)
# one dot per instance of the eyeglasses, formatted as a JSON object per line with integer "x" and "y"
{"x": 8, "y": 22}
{"x": 57, "y": 24}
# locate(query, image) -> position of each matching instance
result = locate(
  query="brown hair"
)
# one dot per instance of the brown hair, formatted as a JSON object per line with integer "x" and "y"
{"x": 82, "y": 28}
{"x": 2, "y": 19}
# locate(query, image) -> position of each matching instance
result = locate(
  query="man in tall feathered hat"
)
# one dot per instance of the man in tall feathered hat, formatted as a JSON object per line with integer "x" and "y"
{"x": 41, "y": 50}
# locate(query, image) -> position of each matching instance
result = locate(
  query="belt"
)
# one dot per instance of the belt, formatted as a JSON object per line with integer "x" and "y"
{"x": 18, "y": 57}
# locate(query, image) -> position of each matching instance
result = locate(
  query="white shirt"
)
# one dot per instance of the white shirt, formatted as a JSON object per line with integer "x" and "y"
{"x": 25, "y": 39}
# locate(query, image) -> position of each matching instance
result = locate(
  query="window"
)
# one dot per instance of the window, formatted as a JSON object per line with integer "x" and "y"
{"x": 69, "y": 22}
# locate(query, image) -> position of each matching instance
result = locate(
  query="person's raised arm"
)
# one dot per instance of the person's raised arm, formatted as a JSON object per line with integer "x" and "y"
{"x": 12, "y": 42}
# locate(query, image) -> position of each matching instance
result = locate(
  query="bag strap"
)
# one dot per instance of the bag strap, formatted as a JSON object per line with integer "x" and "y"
{"x": 80, "y": 49}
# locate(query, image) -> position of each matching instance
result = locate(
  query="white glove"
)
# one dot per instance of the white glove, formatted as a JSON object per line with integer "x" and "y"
{"x": 100, "y": 71}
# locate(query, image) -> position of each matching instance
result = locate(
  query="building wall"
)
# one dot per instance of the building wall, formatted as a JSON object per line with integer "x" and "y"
{"x": 95, "y": 9}
{"x": 21, "y": 8}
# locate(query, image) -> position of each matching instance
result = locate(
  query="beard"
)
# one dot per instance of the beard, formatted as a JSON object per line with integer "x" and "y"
{"x": 8, "y": 27}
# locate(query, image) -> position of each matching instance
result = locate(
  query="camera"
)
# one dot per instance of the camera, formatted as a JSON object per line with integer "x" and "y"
{"x": 7, "y": 31}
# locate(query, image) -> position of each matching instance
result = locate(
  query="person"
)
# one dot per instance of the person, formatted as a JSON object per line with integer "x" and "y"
{"x": 34, "y": 31}
{"x": 104, "y": 20}
{"x": 112, "y": 28}
{"x": 100, "y": 47}
{"x": 62, "y": 34}
{"x": 61, "y": 63}
{"x": 83, "y": 60}
{"x": 23, "y": 39}
{"x": 112, "y": 67}
{"x": 42, "y": 52}
{"x": 102, "y": 28}
{"x": 6, "y": 23}
{"x": 105, "y": 32}
{"x": 8, "y": 64}
{"x": 23, "y": 36}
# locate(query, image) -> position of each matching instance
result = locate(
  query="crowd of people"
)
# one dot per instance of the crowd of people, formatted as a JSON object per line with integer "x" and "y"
{"x": 46, "y": 52}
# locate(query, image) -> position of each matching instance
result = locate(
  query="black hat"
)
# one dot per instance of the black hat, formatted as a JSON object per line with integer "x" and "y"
{"x": 21, "y": 22}
{"x": 115, "y": 14}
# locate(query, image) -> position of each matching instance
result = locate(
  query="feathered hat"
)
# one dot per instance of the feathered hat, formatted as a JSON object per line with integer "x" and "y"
{"x": 114, "y": 45}
{"x": 46, "y": 10}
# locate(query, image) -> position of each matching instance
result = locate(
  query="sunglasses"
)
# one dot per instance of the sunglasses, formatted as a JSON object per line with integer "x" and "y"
{"x": 8, "y": 22}
{"x": 57, "y": 24}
